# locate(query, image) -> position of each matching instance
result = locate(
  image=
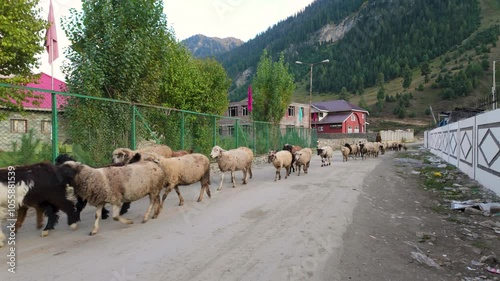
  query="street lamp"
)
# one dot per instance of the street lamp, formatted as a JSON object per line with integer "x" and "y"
{"x": 311, "y": 86}
{"x": 493, "y": 89}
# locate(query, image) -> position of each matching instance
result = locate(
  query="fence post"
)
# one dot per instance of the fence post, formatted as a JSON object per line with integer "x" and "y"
{"x": 55, "y": 134}
{"x": 182, "y": 130}
{"x": 214, "y": 132}
{"x": 253, "y": 139}
{"x": 236, "y": 129}
{"x": 133, "y": 141}
{"x": 267, "y": 137}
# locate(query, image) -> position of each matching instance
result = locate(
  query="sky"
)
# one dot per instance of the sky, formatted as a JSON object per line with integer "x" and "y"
{"x": 242, "y": 19}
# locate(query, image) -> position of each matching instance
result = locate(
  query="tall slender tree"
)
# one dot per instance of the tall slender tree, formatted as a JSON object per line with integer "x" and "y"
{"x": 21, "y": 40}
{"x": 273, "y": 88}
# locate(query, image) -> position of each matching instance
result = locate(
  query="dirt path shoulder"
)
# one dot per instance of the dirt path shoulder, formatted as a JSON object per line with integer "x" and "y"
{"x": 403, "y": 227}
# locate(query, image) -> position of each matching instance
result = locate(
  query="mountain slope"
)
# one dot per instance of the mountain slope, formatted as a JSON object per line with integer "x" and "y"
{"x": 202, "y": 46}
{"x": 382, "y": 36}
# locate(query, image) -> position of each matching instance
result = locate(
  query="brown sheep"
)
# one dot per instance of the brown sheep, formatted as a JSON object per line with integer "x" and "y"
{"x": 180, "y": 153}
{"x": 124, "y": 155}
{"x": 184, "y": 170}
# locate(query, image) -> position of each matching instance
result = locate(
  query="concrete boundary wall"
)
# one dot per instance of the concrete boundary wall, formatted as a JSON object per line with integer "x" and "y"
{"x": 472, "y": 145}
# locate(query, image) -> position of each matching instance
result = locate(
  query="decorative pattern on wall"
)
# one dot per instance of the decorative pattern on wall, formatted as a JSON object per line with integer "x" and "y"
{"x": 466, "y": 152}
{"x": 489, "y": 148}
{"x": 472, "y": 145}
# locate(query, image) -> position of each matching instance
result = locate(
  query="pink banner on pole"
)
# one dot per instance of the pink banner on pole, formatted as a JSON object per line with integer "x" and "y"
{"x": 51, "y": 36}
{"x": 250, "y": 98}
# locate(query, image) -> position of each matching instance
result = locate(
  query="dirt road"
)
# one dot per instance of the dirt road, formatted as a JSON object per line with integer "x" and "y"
{"x": 286, "y": 230}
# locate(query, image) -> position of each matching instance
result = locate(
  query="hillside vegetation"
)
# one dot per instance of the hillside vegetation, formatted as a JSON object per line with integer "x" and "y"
{"x": 452, "y": 42}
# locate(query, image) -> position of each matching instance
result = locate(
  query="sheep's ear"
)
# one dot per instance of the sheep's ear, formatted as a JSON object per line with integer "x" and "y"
{"x": 136, "y": 158}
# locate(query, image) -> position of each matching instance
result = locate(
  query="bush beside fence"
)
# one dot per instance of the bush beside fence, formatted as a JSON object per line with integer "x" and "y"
{"x": 94, "y": 127}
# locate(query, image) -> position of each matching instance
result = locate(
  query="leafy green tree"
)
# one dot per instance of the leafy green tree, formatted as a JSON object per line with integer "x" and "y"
{"x": 407, "y": 77}
{"x": 344, "y": 95}
{"x": 425, "y": 70}
{"x": 21, "y": 40}
{"x": 381, "y": 94}
{"x": 273, "y": 88}
{"x": 124, "y": 50}
{"x": 485, "y": 64}
{"x": 380, "y": 80}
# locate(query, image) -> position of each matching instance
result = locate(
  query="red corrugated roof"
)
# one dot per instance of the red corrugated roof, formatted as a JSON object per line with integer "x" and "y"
{"x": 45, "y": 99}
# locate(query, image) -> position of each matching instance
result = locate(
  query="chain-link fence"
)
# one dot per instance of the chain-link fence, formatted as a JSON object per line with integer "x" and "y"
{"x": 90, "y": 128}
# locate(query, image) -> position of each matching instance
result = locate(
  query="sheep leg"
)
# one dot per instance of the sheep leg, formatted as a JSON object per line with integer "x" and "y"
{"x": 233, "y": 179}
{"x": 152, "y": 201}
{"x": 250, "y": 170}
{"x": 39, "y": 217}
{"x": 157, "y": 206}
{"x": 98, "y": 213}
{"x": 181, "y": 199}
{"x": 69, "y": 208}
{"x": 52, "y": 218}
{"x": 168, "y": 189}
{"x": 204, "y": 188}
{"x": 221, "y": 180}
{"x": 21, "y": 215}
{"x": 245, "y": 176}
{"x": 277, "y": 174}
{"x": 117, "y": 217}
{"x": 125, "y": 208}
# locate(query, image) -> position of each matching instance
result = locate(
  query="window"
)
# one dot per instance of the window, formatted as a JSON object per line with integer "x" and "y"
{"x": 363, "y": 116}
{"x": 46, "y": 126}
{"x": 18, "y": 125}
{"x": 349, "y": 130}
{"x": 244, "y": 110}
{"x": 291, "y": 111}
{"x": 356, "y": 129}
{"x": 230, "y": 130}
{"x": 246, "y": 129}
{"x": 353, "y": 117}
{"x": 320, "y": 129}
{"x": 233, "y": 111}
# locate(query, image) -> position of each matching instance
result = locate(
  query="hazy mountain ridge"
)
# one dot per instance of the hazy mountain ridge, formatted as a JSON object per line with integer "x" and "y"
{"x": 202, "y": 46}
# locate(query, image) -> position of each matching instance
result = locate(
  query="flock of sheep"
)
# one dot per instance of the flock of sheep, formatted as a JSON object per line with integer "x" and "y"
{"x": 70, "y": 185}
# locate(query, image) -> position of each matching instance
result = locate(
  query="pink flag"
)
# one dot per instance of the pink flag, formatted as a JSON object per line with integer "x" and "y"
{"x": 51, "y": 37}
{"x": 250, "y": 98}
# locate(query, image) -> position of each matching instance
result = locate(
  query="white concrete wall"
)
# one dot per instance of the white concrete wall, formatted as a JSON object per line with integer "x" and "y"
{"x": 472, "y": 145}
{"x": 397, "y": 135}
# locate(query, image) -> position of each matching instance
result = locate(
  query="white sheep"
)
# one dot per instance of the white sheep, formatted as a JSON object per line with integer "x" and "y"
{"x": 345, "y": 153}
{"x": 303, "y": 158}
{"x": 280, "y": 159}
{"x": 326, "y": 153}
{"x": 250, "y": 159}
{"x": 116, "y": 185}
{"x": 231, "y": 160}
{"x": 124, "y": 155}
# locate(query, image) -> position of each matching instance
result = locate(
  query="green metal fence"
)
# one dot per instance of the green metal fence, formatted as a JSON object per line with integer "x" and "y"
{"x": 92, "y": 127}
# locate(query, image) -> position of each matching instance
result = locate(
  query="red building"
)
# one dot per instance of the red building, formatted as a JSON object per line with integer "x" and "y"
{"x": 338, "y": 116}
